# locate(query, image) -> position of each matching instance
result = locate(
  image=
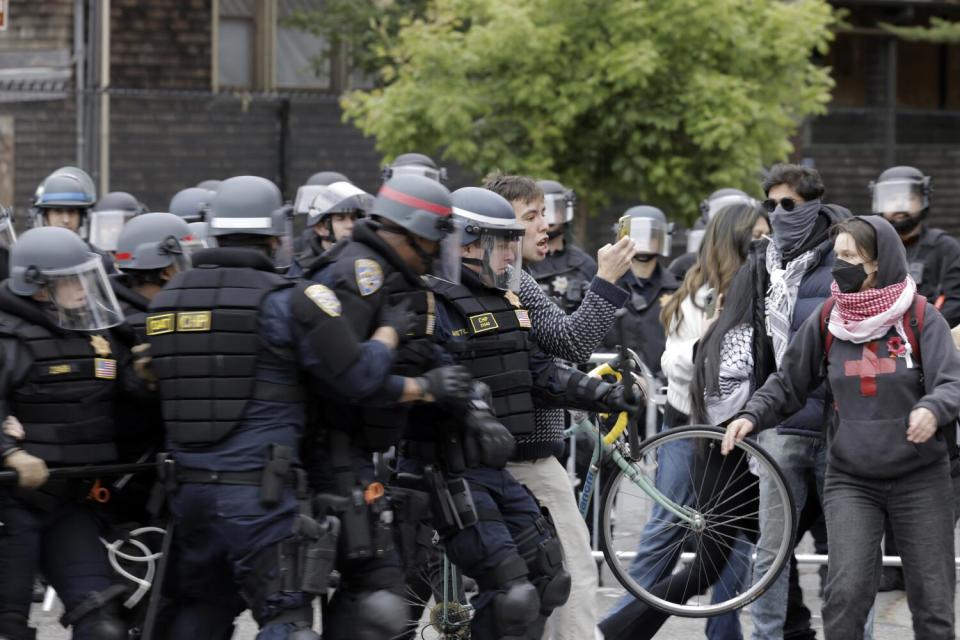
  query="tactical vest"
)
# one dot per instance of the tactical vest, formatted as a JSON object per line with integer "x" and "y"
{"x": 205, "y": 345}
{"x": 66, "y": 401}
{"x": 496, "y": 350}
{"x": 564, "y": 277}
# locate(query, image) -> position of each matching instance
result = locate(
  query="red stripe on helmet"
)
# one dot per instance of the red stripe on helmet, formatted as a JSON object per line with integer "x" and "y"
{"x": 412, "y": 201}
{"x": 123, "y": 256}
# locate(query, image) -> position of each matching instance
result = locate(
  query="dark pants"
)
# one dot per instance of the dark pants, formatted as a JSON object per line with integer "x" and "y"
{"x": 64, "y": 544}
{"x": 219, "y": 532}
{"x": 480, "y": 548}
{"x": 918, "y": 506}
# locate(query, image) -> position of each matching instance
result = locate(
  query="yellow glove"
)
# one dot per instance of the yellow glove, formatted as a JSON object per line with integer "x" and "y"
{"x": 32, "y": 471}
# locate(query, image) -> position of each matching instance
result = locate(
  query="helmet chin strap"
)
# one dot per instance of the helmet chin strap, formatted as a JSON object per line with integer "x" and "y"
{"x": 426, "y": 257}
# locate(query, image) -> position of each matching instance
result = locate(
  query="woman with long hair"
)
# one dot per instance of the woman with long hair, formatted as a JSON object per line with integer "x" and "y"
{"x": 686, "y": 317}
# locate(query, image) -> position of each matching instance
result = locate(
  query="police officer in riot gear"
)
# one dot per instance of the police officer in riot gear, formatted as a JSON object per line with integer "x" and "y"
{"x": 323, "y": 178}
{"x": 902, "y": 195}
{"x": 331, "y": 214}
{"x": 416, "y": 164}
{"x": 405, "y": 237}
{"x": 708, "y": 207}
{"x": 512, "y": 550}
{"x": 231, "y": 341}
{"x": 566, "y": 272}
{"x": 63, "y": 368}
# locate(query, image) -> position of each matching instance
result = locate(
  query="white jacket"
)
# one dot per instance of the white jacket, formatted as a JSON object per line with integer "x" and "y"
{"x": 677, "y": 359}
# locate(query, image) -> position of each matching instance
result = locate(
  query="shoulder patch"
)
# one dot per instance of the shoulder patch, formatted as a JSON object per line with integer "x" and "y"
{"x": 369, "y": 276}
{"x": 325, "y": 299}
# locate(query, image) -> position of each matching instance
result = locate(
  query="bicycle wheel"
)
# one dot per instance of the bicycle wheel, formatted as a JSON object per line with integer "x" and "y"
{"x": 438, "y": 603}
{"x": 671, "y": 563}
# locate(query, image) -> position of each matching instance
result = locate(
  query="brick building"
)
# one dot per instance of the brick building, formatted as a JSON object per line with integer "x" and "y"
{"x": 171, "y": 92}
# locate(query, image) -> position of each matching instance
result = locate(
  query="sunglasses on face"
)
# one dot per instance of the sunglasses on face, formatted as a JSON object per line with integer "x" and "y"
{"x": 788, "y": 204}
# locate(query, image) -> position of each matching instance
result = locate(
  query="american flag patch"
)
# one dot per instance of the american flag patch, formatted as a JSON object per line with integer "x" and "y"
{"x": 105, "y": 368}
{"x": 523, "y": 318}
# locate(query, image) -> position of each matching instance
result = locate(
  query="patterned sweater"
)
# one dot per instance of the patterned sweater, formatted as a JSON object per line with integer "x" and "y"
{"x": 571, "y": 337}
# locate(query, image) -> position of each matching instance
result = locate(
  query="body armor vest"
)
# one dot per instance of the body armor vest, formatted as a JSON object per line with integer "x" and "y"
{"x": 206, "y": 347}
{"x": 66, "y": 401}
{"x": 496, "y": 349}
{"x": 565, "y": 276}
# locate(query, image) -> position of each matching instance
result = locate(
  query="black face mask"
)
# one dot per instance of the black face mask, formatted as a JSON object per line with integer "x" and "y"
{"x": 849, "y": 277}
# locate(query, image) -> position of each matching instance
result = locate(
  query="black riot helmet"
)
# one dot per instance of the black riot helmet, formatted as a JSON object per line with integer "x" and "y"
{"x": 649, "y": 229}
{"x": 902, "y": 196}
{"x": 419, "y": 206}
{"x": 415, "y": 164}
{"x": 491, "y": 234}
{"x": 190, "y": 204}
{"x": 327, "y": 177}
{"x": 558, "y": 204}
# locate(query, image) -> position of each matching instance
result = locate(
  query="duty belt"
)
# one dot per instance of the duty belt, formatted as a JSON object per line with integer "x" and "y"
{"x": 202, "y": 476}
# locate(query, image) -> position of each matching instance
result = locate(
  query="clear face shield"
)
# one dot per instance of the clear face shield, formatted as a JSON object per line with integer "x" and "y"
{"x": 497, "y": 259}
{"x": 199, "y": 237}
{"x": 339, "y": 197}
{"x": 695, "y": 239}
{"x": 558, "y": 208}
{"x": 81, "y": 295}
{"x": 283, "y": 224}
{"x": 650, "y": 236}
{"x": 105, "y": 228}
{"x": 731, "y": 200}
{"x": 179, "y": 250}
{"x": 42, "y": 218}
{"x": 8, "y": 234}
{"x": 899, "y": 196}
{"x": 446, "y": 262}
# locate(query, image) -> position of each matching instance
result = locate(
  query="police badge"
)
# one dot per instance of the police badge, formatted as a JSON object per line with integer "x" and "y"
{"x": 369, "y": 276}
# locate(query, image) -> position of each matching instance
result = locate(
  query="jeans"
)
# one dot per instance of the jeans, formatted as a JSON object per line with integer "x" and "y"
{"x": 917, "y": 506}
{"x": 798, "y": 458}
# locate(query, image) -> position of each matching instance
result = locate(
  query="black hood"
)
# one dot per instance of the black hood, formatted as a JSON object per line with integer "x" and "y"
{"x": 891, "y": 255}
{"x": 127, "y": 295}
{"x": 28, "y": 309}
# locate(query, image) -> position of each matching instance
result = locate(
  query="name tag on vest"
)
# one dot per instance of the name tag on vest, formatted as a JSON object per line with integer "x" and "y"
{"x": 483, "y": 322}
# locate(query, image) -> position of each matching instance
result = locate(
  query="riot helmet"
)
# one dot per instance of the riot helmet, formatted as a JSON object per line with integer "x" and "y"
{"x": 8, "y": 235}
{"x": 210, "y": 185}
{"x": 67, "y": 188}
{"x": 109, "y": 215}
{"x": 58, "y": 264}
{"x": 695, "y": 236}
{"x": 421, "y": 208}
{"x": 191, "y": 203}
{"x": 324, "y": 178}
{"x": 416, "y": 164}
{"x": 336, "y": 199}
{"x": 492, "y": 238}
{"x": 154, "y": 241}
{"x": 648, "y": 228}
{"x": 902, "y": 196}
{"x": 723, "y": 198}
{"x": 558, "y": 204}
{"x": 247, "y": 210}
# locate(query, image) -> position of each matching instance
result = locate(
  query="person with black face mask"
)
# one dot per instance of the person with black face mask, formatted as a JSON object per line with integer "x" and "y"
{"x": 887, "y": 356}
{"x": 902, "y": 196}
{"x": 791, "y": 277}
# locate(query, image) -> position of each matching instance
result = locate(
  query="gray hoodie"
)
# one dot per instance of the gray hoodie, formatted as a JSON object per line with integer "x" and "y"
{"x": 867, "y": 432}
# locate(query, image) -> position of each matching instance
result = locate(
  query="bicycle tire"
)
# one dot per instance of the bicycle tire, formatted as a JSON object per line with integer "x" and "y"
{"x": 722, "y": 520}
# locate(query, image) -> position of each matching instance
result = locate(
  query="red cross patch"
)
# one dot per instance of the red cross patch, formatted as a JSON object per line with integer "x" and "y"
{"x": 869, "y": 368}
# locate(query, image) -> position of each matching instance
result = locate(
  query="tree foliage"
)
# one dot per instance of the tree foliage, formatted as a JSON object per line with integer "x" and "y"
{"x": 940, "y": 31}
{"x": 652, "y": 100}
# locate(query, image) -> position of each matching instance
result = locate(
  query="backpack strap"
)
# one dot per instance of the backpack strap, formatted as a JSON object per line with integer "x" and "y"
{"x": 825, "y": 312}
{"x": 913, "y": 326}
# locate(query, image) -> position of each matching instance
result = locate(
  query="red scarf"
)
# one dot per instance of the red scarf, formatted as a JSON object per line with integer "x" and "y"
{"x": 854, "y": 307}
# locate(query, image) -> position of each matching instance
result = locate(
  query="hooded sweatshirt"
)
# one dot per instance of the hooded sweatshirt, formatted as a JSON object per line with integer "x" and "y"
{"x": 866, "y": 435}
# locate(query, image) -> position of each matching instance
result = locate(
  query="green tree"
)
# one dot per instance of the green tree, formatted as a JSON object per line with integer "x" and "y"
{"x": 939, "y": 31}
{"x": 656, "y": 100}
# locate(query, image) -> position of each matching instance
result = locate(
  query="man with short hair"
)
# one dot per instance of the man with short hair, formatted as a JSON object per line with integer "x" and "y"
{"x": 573, "y": 338}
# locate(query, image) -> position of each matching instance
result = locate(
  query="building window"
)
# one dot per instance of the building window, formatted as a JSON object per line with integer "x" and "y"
{"x": 302, "y": 60}
{"x": 236, "y": 44}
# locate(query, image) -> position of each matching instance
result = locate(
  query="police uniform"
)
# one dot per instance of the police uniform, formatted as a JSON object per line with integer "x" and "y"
{"x": 513, "y": 541}
{"x": 565, "y": 275}
{"x": 230, "y": 356}
{"x": 366, "y": 274}
{"x": 62, "y": 386}
{"x": 934, "y": 261}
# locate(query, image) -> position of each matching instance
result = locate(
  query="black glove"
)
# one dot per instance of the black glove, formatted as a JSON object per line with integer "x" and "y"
{"x": 614, "y": 399}
{"x": 486, "y": 442}
{"x": 398, "y": 317}
{"x": 449, "y": 386}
